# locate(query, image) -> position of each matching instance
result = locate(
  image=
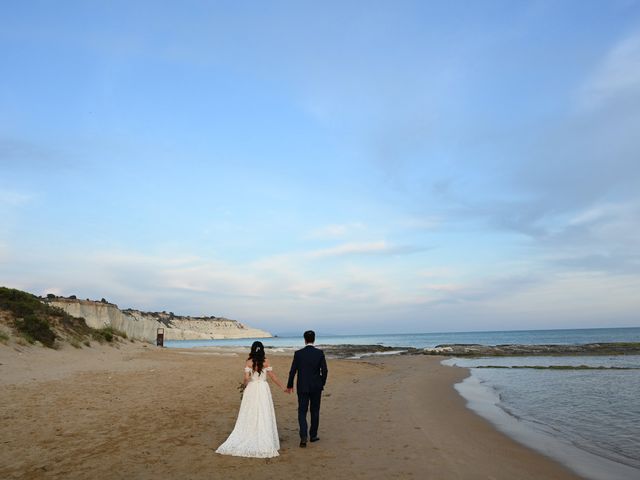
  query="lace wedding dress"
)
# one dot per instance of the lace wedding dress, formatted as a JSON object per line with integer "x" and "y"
{"x": 256, "y": 433}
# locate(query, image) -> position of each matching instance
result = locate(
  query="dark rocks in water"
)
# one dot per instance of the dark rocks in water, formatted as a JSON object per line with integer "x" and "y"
{"x": 347, "y": 350}
{"x": 475, "y": 350}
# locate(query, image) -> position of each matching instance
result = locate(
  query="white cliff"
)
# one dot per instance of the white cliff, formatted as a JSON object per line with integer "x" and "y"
{"x": 143, "y": 325}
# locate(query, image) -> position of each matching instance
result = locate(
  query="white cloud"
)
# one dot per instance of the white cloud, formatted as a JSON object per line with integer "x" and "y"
{"x": 54, "y": 290}
{"x": 443, "y": 287}
{"x": 287, "y": 292}
{"x": 336, "y": 230}
{"x": 580, "y": 299}
{"x": 610, "y": 222}
{"x": 364, "y": 248}
{"x": 618, "y": 74}
{"x": 285, "y": 288}
{"x": 601, "y": 238}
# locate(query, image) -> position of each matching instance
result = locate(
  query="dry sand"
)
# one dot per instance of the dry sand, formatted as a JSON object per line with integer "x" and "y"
{"x": 137, "y": 412}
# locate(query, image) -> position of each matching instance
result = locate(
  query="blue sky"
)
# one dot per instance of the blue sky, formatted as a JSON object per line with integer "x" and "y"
{"x": 388, "y": 167}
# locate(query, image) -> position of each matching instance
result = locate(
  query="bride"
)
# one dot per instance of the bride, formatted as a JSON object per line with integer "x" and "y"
{"x": 256, "y": 432}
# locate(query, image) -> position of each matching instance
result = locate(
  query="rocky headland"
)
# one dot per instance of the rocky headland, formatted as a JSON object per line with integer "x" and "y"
{"x": 53, "y": 321}
{"x": 141, "y": 325}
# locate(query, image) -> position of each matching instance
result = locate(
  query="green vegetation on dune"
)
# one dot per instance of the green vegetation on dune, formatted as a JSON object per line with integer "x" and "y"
{"x": 29, "y": 315}
{"x": 35, "y": 321}
{"x": 107, "y": 334}
{"x": 22, "y": 304}
{"x": 33, "y": 328}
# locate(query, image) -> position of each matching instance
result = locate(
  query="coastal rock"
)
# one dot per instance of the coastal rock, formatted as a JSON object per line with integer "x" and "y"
{"x": 357, "y": 351}
{"x": 475, "y": 350}
{"x": 143, "y": 325}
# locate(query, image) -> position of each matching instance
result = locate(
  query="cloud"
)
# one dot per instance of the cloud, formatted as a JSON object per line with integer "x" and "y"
{"x": 601, "y": 239}
{"x": 273, "y": 291}
{"x": 55, "y": 290}
{"x": 335, "y": 230}
{"x": 622, "y": 263}
{"x": 606, "y": 223}
{"x": 539, "y": 300}
{"x": 484, "y": 290}
{"x": 365, "y": 248}
{"x": 618, "y": 75}
{"x": 572, "y": 189}
{"x": 288, "y": 292}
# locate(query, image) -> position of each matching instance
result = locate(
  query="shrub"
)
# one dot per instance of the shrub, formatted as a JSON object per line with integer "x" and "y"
{"x": 107, "y": 334}
{"x": 75, "y": 324}
{"x": 30, "y": 315}
{"x": 120, "y": 333}
{"x": 4, "y": 337}
{"x": 19, "y": 303}
{"x": 33, "y": 328}
{"x": 103, "y": 334}
{"x": 35, "y": 320}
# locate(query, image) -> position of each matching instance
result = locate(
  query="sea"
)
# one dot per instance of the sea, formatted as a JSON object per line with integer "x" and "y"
{"x": 583, "y": 412}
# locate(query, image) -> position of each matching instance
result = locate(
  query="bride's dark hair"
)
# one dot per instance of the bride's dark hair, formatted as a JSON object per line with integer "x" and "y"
{"x": 257, "y": 356}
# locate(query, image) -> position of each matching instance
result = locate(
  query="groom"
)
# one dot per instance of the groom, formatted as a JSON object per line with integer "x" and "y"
{"x": 310, "y": 365}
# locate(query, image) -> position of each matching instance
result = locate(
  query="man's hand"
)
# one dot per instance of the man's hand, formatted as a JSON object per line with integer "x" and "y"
{"x": 289, "y": 390}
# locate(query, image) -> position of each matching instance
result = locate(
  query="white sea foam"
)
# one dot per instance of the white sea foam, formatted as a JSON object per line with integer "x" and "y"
{"x": 372, "y": 354}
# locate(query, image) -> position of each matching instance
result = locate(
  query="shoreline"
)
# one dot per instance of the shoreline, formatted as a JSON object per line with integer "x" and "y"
{"x": 485, "y": 402}
{"x": 160, "y": 413}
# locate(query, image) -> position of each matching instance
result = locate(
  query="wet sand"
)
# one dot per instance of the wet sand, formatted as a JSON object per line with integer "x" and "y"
{"x": 143, "y": 412}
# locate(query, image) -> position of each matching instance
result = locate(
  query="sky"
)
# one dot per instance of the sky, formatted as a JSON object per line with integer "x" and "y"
{"x": 351, "y": 167}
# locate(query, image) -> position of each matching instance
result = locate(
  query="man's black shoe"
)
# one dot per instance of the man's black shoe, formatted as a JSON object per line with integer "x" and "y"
{"x": 303, "y": 443}
{"x": 315, "y": 439}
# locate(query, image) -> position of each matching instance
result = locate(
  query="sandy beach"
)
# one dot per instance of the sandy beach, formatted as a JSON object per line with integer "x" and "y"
{"x": 136, "y": 411}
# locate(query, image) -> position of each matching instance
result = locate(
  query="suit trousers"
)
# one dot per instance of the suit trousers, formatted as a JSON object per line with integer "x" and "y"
{"x": 306, "y": 400}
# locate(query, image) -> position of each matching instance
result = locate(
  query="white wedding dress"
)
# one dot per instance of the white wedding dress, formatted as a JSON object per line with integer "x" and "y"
{"x": 256, "y": 433}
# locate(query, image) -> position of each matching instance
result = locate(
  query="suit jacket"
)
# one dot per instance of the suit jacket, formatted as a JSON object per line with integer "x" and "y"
{"x": 311, "y": 366}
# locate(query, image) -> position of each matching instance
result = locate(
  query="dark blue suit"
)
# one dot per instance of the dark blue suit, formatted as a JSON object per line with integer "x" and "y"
{"x": 311, "y": 366}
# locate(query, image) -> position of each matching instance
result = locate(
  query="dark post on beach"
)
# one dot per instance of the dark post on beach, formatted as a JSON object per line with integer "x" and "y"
{"x": 160, "y": 337}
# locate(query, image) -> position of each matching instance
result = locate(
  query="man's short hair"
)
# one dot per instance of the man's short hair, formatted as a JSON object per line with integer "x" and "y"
{"x": 309, "y": 336}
